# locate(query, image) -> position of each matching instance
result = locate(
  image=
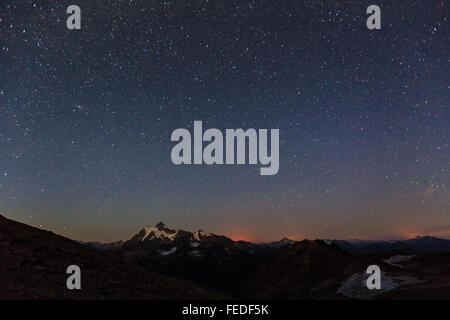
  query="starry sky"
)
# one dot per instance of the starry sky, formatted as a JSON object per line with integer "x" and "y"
{"x": 86, "y": 117}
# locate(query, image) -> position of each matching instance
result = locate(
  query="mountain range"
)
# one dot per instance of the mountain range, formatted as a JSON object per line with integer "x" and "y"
{"x": 418, "y": 244}
{"x": 33, "y": 265}
{"x": 159, "y": 262}
{"x": 284, "y": 269}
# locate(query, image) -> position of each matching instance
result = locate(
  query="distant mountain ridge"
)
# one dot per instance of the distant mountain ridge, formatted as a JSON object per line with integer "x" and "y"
{"x": 162, "y": 235}
{"x": 277, "y": 244}
{"x": 103, "y": 245}
{"x": 418, "y": 244}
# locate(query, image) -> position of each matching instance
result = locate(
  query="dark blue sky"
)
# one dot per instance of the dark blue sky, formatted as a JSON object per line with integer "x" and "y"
{"x": 86, "y": 117}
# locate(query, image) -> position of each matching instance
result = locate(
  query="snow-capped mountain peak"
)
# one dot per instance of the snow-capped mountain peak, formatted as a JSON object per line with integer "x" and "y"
{"x": 160, "y": 231}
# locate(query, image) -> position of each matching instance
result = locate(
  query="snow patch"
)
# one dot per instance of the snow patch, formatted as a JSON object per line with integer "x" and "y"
{"x": 356, "y": 287}
{"x": 194, "y": 244}
{"x": 196, "y": 254}
{"x": 394, "y": 260}
{"x": 157, "y": 234}
{"x": 167, "y": 252}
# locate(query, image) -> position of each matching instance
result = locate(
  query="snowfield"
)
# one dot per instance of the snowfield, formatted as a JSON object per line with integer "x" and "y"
{"x": 194, "y": 244}
{"x": 395, "y": 260}
{"x": 355, "y": 286}
{"x": 167, "y": 252}
{"x": 157, "y": 234}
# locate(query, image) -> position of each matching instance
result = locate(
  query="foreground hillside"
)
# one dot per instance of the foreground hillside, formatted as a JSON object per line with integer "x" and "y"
{"x": 33, "y": 265}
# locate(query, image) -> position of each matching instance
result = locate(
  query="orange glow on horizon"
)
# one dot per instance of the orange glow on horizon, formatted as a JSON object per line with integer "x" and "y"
{"x": 244, "y": 236}
{"x": 240, "y": 237}
{"x": 414, "y": 235}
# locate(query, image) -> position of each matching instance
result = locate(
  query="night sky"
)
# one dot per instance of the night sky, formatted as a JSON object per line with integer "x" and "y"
{"x": 364, "y": 117}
